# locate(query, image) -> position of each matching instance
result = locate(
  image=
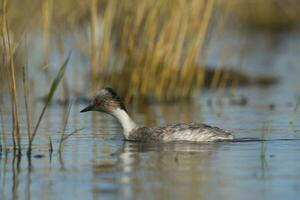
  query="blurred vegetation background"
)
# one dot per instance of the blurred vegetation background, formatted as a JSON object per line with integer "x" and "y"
{"x": 146, "y": 49}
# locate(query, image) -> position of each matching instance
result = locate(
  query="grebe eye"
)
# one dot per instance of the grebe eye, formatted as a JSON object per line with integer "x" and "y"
{"x": 97, "y": 102}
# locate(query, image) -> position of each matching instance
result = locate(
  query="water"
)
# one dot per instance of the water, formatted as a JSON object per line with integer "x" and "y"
{"x": 96, "y": 163}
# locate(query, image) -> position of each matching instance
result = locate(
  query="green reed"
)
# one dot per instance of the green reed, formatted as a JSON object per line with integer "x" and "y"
{"x": 295, "y": 111}
{"x": 65, "y": 136}
{"x": 66, "y": 119}
{"x": 51, "y": 92}
{"x": 266, "y": 130}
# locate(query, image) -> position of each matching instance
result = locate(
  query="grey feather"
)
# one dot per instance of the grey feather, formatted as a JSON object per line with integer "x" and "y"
{"x": 192, "y": 132}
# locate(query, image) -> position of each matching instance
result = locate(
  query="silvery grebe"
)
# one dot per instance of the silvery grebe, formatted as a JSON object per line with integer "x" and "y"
{"x": 107, "y": 101}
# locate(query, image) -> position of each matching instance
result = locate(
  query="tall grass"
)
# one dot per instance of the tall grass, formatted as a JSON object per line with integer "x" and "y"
{"x": 145, "y": 48}
{"x": 158, "y": 42}
{"x": 27, "y": 101}
{"x": 8, "y": 53}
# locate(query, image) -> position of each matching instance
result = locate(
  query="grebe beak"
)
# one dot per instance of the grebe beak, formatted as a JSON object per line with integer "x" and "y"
{"x": 89, "y": 108}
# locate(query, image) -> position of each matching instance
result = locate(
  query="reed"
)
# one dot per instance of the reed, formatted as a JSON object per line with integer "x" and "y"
{"x": 47, "y": 7}
{"x": 51, "y": 92}
{"x": 65, "y": 92}
{"x": 50, "y": 145}
{"x": 3, "y": 137}
{"x": 66, "y": 119}
{"x": 9, "y": 54}
{"x": 146, "y": 49}
{"x": 65, "y": 136}
{"x": 217, "y": 80}
{"x": 0, "y": 146}
{"x": 93, "y": 45}
{"x": 295, "y": 111}
{"x": 266, "y": 129}
{"x": 26, "y": 100}
{"x": 159, "y": 43}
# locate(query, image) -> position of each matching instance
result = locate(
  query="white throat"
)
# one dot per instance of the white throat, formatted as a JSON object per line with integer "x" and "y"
{"x": 124, "y": 119}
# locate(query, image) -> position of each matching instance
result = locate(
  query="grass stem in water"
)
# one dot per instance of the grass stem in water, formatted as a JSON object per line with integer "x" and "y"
{"x": 53, "y": 88}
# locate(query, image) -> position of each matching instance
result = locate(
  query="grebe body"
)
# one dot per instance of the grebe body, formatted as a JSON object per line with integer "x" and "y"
{"x": 107, "y": 101}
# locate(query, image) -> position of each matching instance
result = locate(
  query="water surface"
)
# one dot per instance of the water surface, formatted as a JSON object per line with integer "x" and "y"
{"x": 97, "y": 163}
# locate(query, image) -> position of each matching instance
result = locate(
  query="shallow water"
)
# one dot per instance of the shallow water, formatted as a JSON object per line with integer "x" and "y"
{"x": 96, "y": 163}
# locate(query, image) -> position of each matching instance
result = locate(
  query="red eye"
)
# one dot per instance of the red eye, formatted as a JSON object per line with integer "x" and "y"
{"x": 97, "y": 102}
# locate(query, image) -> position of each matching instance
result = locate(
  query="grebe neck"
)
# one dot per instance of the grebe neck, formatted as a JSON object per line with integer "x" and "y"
{"x": 125, "y": 120}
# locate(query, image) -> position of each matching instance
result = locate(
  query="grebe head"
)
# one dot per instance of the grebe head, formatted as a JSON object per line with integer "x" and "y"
{"x": 107, "y": 101}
